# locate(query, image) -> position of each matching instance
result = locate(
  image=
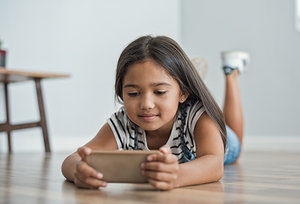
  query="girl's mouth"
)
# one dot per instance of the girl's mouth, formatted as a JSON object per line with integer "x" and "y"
{"x": 148, "y": 117}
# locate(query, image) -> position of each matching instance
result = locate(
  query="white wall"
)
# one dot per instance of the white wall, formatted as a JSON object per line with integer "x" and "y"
{"x": 84, "y": 39}
{"x": 266, "y": 29}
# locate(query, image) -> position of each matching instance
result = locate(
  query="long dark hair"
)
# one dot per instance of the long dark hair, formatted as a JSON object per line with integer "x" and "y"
{"x": 166, "y": 52}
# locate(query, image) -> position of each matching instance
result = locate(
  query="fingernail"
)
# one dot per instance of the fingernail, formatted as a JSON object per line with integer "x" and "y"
{"x": 142, "y": 165}
{"x": 143, "y": 172}
{"x": 88, "y": 150}
{"x": 104, "y": 184}
{"x": 149, "y": 158}
{"x": 99, "y": 175}
{"x": 164, "y": 149}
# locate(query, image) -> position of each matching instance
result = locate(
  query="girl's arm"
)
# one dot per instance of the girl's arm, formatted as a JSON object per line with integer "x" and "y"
{"x": 209, "y": 164}
{"x": 77, "y": 171}
{"x": 164, "y": 172}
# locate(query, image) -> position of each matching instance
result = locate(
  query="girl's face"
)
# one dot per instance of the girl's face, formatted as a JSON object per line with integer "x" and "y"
{"x": 151, "y": 96}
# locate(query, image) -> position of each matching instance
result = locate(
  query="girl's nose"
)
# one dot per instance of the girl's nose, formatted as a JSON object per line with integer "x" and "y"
{"x": 146, "y": 102}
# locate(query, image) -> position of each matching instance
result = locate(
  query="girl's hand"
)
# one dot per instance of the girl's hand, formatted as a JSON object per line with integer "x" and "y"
{"x": 162, "y": 169}
{"x": 84, "y": 175}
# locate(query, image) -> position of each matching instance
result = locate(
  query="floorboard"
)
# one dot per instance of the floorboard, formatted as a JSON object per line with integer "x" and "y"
{"x": 258, "y": 177}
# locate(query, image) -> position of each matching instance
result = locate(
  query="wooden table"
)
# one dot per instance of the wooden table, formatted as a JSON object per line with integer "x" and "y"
{"x": 8, "y": 76}
{"x": 259, "y": 177}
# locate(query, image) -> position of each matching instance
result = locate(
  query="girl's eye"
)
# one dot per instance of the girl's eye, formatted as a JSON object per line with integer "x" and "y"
{"x": 160, "y": 92}
{"x": 133, "y": 93}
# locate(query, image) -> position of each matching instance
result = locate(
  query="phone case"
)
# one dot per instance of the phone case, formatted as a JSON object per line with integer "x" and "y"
{"x": 122, "y": 166}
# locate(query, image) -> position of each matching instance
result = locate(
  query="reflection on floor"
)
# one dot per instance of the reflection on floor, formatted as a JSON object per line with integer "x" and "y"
{"x": 258, "y": 177}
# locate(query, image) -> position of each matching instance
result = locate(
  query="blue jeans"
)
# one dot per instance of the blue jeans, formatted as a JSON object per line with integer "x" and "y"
{"x": 232, "y": 151}
{"x": 233, "y": 147}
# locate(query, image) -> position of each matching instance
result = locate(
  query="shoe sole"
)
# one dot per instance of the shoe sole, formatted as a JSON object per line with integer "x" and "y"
{"x": 235, "y": 54}
{"x": 201, "y": 66}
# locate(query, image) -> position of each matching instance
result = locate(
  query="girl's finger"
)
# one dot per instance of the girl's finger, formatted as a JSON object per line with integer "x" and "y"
{"x": 160, "y": 176}
{"x": 83, "y": 151}
{"x": 165, "y": 149}
{"x": 87, "y": 171}
{"x": 159, "y": 166}
{"x": 166, "y": 158}
{"x": 160, "y": 184}
{"x": 88, "y": 182}
{"x": 80, "y": 184}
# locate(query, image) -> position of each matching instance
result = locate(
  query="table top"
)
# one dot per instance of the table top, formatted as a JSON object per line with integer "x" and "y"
{"x": 13, "y": 75}
{"x": 257, "y": 178}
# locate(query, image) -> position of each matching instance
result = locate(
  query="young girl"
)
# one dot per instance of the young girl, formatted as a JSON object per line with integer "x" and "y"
{"x": 167, "y": 107}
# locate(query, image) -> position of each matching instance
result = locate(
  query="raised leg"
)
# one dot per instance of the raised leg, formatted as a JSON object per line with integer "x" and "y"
{"x": 232, "y": 110}
{"x": 42, "y": 114}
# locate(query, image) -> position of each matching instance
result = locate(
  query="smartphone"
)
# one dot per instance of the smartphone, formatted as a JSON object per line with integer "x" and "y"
{"x": 119, "y": 166}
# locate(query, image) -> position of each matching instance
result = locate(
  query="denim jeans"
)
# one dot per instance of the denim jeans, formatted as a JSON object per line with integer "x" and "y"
{"x": 232, "y": 151}
{"x": 233, "y": 147}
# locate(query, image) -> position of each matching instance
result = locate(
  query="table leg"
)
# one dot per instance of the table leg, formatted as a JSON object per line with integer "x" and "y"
{"x": 7, "y": 117}
{"x": 42, "y": 114}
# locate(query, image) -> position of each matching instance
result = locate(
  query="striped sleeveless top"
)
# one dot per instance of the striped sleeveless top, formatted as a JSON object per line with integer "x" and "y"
{"x": 131, "y": 137}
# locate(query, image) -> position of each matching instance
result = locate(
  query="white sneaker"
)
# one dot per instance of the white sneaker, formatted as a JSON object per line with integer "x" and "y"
{"x": 201, "y": 66}
{"x": 232, "y": 60}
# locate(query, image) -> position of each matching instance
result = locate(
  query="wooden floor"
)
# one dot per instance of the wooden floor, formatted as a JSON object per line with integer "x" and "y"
{"x": 259, "y": 177}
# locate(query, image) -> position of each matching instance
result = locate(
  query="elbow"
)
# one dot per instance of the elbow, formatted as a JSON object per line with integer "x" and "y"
{"x": 219, "y": 174}
{"x": 68, "y": 166}
{"x": 219, "y": 171}
{"x": 64, "y": 169}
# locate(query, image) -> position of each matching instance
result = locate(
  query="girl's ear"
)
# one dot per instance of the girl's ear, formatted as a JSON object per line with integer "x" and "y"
{"x": 183, "y": 97}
